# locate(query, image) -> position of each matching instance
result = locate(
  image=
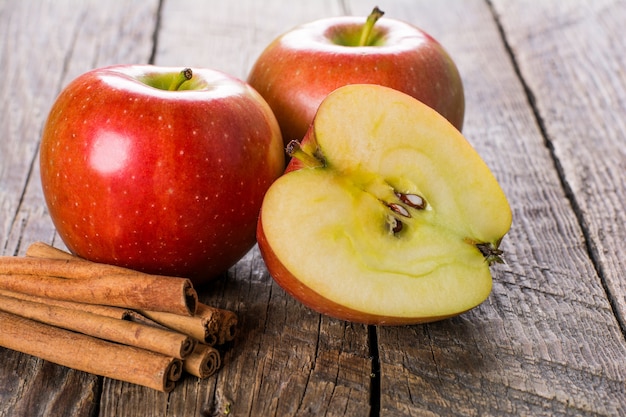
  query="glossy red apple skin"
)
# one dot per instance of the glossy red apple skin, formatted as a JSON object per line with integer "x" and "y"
{"x": 166, "y": 182}
{"x": 301, "y": 67}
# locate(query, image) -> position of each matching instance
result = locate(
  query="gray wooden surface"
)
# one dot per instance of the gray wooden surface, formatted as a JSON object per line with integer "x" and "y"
{"x": 545, "y": 86}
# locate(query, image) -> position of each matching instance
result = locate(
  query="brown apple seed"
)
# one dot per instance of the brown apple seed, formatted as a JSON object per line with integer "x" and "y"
{"x": 412, "y": 200}
{"x": 400, "y": 209}
{"x": 395, "y": 225}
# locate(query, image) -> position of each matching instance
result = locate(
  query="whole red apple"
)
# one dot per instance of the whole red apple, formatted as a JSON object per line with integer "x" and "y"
{"x": 166, "y": 182}
{"x": 301, "y": 67}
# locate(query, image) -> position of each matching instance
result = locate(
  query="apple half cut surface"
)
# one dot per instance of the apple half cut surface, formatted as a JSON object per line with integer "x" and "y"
{"x": 385, "y": 215}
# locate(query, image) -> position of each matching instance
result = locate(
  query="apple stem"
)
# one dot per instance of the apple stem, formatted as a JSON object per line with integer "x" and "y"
{"x": 491, "y": 253}
{"x": 183, "y": 76}
{"x": 294, "y": 150}
{"x": 366, "y": 33}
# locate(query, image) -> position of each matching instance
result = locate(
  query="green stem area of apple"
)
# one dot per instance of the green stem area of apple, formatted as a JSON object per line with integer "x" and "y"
{"x": 182, "y": 77}
{"x": 294, "y": 150}
{"x": 366, "y": 33}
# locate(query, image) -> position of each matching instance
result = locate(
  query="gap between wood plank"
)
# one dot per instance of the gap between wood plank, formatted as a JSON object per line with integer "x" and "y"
{"x": 569, "y": 193}
{"x": 372, "y": 338}
{"x": 155, "y": 34}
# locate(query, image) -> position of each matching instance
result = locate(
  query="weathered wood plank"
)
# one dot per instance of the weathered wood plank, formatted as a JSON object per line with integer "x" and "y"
{"x": 572, "y": 58}
{"x": 546, "y": 342}
{"x": 43, "y": 47}
{"x": 229, "y": 36}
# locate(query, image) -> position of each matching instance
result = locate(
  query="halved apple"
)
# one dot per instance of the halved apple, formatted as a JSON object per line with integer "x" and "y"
{"x": 385, "y": 215}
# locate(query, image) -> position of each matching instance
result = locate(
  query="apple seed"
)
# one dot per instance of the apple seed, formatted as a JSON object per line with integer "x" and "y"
{"x": 395, "y": 225}
{"x": 400, "y": 209}
{"x": 412, "y": 200}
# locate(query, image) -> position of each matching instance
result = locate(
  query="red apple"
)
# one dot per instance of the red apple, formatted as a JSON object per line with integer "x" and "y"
{"x": 301, "y": 67}
{"x": 166, "y": 182}
{"x": 386, "y": 214}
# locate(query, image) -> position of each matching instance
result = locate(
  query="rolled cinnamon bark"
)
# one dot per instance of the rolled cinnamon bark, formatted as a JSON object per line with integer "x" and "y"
{"x": 173, "y": 295}
{"x": 204, "y": 329}
{"x": 107, "y": 311}
{"x": 63, "y": 268}
{"x": 227, "y": 321}
{"x": 203, "y": 362}
{"x": 210, "y": 325}
{"x": 89, "y": 354}
{"x": 43, "y": 250}
{"x": 166, "y": 342}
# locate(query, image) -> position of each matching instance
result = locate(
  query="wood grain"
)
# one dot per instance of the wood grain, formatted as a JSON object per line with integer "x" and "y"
{"x": 529, "y": 349}
{"x": 545, "y": 92}
{"x": 229, "y": 36}
{"x": 573, "y": 64}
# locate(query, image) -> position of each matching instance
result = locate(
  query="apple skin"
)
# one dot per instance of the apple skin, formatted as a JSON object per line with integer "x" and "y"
{"x": 301, "y": 67}
{"x": 165, "y": 182}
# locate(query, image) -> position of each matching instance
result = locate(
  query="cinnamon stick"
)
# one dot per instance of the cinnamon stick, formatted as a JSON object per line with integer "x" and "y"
{"x": 166, "y": 342}
{"x": 210, "y": 325}
{"x": 44, "y": 250}
{"x": 63, "y": 268}
{"x": 174, "y": 295}
{"x": 203, "y": 362}
{"x": 89, "y": 354}
{"x": 107, "y": 311}
{"x": 203, "y": 329}
{"x": 227, "y": 321}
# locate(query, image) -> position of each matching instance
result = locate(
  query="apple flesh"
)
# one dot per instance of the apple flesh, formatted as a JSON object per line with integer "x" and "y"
{"x": 166, "y": 182}
{"x": 386, "y": 214}
{"x": 301, "y": 67}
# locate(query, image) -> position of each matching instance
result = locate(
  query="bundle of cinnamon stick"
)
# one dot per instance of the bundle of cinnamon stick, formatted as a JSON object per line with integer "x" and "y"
{"x": 108, "y": 320}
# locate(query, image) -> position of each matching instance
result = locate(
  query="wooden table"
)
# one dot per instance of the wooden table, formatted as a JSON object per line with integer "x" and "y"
{"x": 545, "y": 86}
